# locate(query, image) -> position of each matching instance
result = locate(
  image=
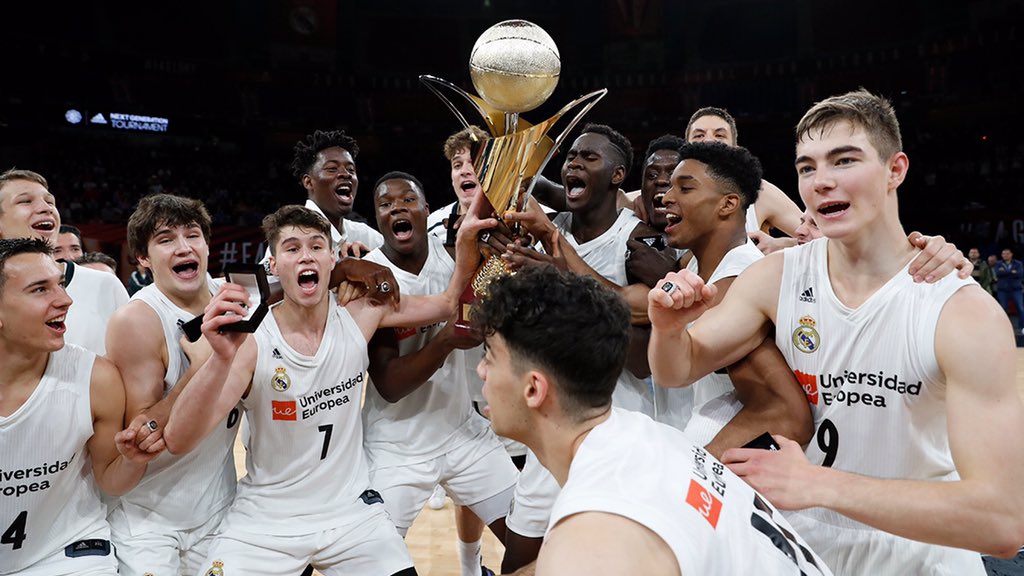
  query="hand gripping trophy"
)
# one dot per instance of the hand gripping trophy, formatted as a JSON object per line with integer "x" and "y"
{"x": 514, "y": 67}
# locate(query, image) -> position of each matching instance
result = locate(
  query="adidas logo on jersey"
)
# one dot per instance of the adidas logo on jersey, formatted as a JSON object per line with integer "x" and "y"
{"x": 276, "y": 354}
{"x": 807, "y": 295}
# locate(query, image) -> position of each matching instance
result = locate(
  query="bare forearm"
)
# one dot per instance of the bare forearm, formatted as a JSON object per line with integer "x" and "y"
{"x": 402, "y": 375}
{"x": 120, "y": 476}
{"x": 196, "y": 410}
{"x": 752, "y": 421}
{"x": 963, "y": 514}
{"x": 668, "y": 354}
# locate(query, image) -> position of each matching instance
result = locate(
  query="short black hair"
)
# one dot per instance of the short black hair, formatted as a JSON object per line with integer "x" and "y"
{"x": 733, "y": 166}
{"x": 617, "y": 140}
{"x": 69, "y": 229}
{"x": 569, "y": 326}
{"x": 11, "y": 247}
{"x": 664, "y": 142}
{"x": 305, "y": 150}
{"x": 399, "y": 175}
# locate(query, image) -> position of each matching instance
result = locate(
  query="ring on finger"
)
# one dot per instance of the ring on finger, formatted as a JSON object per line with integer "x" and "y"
{"x": 486, "y": 236}
{"x": 384, "y": 287}
{"x": 668, "y": 287}
{"x": 152, "y": 425}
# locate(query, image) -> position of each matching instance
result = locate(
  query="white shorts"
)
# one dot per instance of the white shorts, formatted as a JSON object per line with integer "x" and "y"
{"x": 160, "y": 552}
{"x": 474, "y": 474}
{"x": 368, "y": 546}
{"x": 535, "y": 494}
{"x": 60, "y": 565}
{"x": 710, "y": 417}
{"x": 855, "y": 551}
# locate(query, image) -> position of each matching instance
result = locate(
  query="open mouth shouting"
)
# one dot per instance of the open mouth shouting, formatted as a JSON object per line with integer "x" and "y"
{"x": 575, "y": 187}
{"x": 402, "y": 229}
{"x": 832, "y": 209}
{"x": 186, "y": 270}
{"x": 309, "y": 279}
{"x": 44, "y": 227}
{"x": 344, "y": 193}
{"x": 672, "y": 220}
{"x": 56, "y": 324}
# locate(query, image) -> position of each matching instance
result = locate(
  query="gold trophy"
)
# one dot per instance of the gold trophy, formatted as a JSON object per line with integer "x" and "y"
{"x": 514, "y": 67}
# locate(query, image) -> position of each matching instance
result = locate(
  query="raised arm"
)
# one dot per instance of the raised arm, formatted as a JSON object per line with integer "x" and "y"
{"x": 722, "y": 334}
{"x": 218, "y": 385}
{"x": 984, "y": 510}
{"x": 117, "y": 464}
{"x": 776, "y": 209}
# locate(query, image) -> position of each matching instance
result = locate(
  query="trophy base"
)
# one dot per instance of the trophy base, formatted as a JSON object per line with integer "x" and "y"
{"x": 492, "y": 268}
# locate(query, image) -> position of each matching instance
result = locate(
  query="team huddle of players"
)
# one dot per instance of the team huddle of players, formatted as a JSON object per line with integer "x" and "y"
{"x": 646, "y": 394}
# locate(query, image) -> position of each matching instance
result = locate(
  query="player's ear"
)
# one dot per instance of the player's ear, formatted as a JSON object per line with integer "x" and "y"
{"x": 537, "y": 389}
{"x": 618, "y": 175}
{"x": 728, "y": 204}
{"x": 898, "y": 166}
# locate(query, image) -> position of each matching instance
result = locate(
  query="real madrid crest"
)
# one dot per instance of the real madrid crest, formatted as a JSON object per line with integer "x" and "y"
{"x": 217, "y": 569}
{"x": 280, "y": 380}
{"x": 805, "y": 337}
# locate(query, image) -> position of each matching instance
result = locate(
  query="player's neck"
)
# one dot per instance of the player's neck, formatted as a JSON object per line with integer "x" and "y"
{"x": 411, "y": 262}
{"x": 194, "y": 302}
{"x": 710, "y": 249}
{"x": 302, "y": 326}
{"x": 556, "y": 444}
{"x": 593, "y": 220}
{"x": 860, "y": 264}
{"x": 22, "y": 371}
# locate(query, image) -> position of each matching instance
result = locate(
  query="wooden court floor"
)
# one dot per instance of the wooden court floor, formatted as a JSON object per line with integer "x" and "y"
{"x": 432, "y": 539}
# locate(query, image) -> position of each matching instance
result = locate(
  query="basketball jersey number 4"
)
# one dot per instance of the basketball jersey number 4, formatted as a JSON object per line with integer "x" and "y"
{"x": 15, "y": 533}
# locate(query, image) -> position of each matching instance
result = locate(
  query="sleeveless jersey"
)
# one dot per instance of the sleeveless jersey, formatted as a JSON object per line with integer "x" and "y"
{"x": 606, "y": 254}
{"x": 438, "y": 416}
{"x": 305, "y": 464}
{"x": 752, "y": 223}
{"x": 714, "y": 385}
{"x": 48, "y": 496}
{"x": 182, "y": 491}
{"x": 713, "y": 522}
{"x": 96, "y": 296}
{"x": 870, "y": 373}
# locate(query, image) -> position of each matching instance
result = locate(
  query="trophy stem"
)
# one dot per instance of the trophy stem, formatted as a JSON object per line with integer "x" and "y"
{"x": 511, "y": 122}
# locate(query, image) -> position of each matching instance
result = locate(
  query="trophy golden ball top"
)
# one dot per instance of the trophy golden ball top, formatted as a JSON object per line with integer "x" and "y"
{"x": 514, "y": 66}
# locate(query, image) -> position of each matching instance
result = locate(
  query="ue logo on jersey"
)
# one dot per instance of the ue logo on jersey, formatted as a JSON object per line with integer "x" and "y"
{"x": 805, "y": 337}
{"x": 704, "y": 503}
{"x": 809, "y": 382}
{"x": 283, "y": 410}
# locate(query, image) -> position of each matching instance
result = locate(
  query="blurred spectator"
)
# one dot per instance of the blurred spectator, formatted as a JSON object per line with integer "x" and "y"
{"x": 97, "y": 261}
{"x": 982, "y": 273}
{"x": 69, "y": 243}
{"x": 1008, "y": 285}
{"x": 139, "y": 279}
{"x": 992, "y": 260}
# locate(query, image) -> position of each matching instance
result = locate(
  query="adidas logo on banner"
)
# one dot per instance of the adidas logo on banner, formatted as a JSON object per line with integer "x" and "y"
{"x": 808, "y": 296}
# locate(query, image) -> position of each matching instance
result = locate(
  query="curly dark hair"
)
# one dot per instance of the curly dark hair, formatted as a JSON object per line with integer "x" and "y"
{"x": 617, "y": 140}
{"x": 734, "y": 167}
{"x": 664, "y": 142}
{"x": 566, "y": 325}
{"x": 307, "y": 149}
{"x": 10, "y": 247}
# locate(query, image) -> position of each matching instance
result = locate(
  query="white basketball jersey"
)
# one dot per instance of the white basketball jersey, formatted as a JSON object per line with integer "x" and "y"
{"x": 606, "y": 254}
{"x": 305, "y": 464}
{"x": 652, "y": 474}
{"x": 96, "y": 296}
{"x": 180, "y": 492}
{"x": 752, "y": 223}
{"x": 715, "y": 386}
{"x": 870, "y": 373}
{"x": 48, "y": 496}
{"x": 438, "y": 416}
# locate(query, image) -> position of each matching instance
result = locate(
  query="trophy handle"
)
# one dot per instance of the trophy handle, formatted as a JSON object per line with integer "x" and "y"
{"x": 435, "y": 84}
{"x": 589, "y": 101}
